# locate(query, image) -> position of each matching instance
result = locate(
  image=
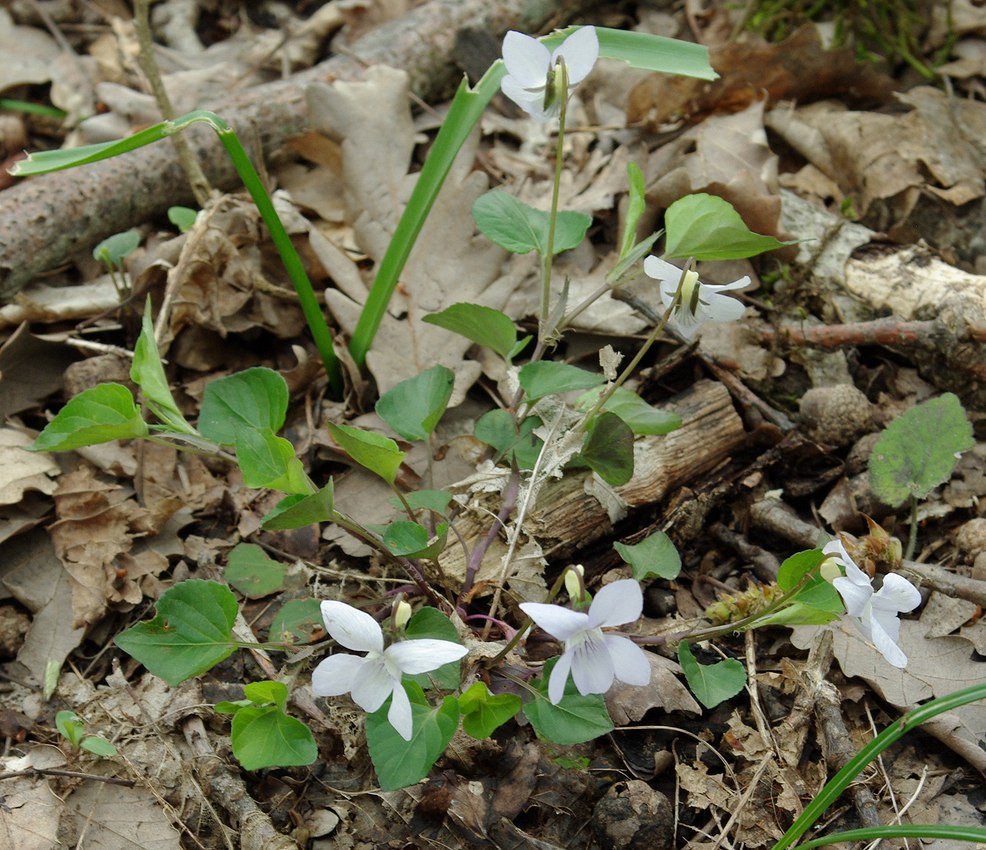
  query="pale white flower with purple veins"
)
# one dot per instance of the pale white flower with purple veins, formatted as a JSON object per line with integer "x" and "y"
{"x": 700, "y": 302}
{"x": 875, "y": 614}
{"x": 594, "y": 658}
{"x": 374, "y": 677}
{"x": 531, "y": 80}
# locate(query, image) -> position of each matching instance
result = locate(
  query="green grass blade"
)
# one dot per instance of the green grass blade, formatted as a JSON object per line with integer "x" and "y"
{"x": 45, "y": 161}
{"x": 838, "y": 783}
{"x": 640, "y": 50}
{"x": 907, "y": 830}
{"x": 464, "y": 113}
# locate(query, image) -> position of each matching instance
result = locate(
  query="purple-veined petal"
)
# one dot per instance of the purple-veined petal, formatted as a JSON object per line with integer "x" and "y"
{"x": 630, "y": 662}
{"x": 897, "y": 594}
{"x": 336, "y": 675}
{"x": 373, "y": 685}
{"x": 559, "y": 676}
{"x": 658, "y": 269}
{"x": 617, "y": 603}
{"x": 353, "y": 628}
{"x": 592, "y": 667}
{"x": 560, "y": 623}
{"x": 399, "y": 714}
{"x": 424, "y": 654}
{"x": 885, "y": 643}
{"x": 855, "y": 596}
{"x": 580, "y": 51}
{"x": 526, "y": 59}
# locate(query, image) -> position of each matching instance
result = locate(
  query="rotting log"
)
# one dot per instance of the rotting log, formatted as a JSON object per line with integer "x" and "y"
{"x": 567, "y": 516}
{"x": 45, "y": 219}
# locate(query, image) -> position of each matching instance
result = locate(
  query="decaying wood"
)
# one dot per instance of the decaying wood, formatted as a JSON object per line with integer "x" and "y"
{"x": 567, "y": 516}
{"x": 45, "y": 219}
{"x": 227, "y": 790}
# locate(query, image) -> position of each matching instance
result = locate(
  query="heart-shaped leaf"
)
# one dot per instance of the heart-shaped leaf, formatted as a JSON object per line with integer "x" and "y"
{"x": 413, "y": 407}
{"x": 654, "y": 556}
{"x": 191, "y": 632}
{"x": 98, "y": 415}
{"x": 711, "y": 683}
{"x": 483, "y": 325}
{"x": 377, "y": 453}
{"x": 708, "y": 228}
{"x": 255, "y": 398}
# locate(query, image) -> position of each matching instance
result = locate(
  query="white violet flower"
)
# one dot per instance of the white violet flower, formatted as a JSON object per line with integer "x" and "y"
{"x": 875, "y": 614}
{"x": 531, "y": 80}
{"x": 377, "y": 675}
{"x": 700, "y": 302}
{"x": 594, "y": 658}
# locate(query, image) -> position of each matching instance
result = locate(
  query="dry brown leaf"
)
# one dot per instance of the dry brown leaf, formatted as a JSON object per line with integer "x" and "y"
{"x": 31, "y": 811}
{"x": 873, "y": 156}
{"x": 726, "y": 156}
{"x": 627, "y": 704}
{"x": 113, "y": 817}
{"x": 27, "y": 54}
{"x": 935, "y": 667}
{"x": 449, "y": 263}
{"x": 798, "y": 68}
{"x": 221, "y": 279}
{"x": 94, "y": 536}
{"x": 21, "y": 470}
{"x": 30, "y": 370}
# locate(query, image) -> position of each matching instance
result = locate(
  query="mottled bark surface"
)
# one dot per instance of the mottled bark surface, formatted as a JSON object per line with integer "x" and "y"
{"x": 47, "y": 218}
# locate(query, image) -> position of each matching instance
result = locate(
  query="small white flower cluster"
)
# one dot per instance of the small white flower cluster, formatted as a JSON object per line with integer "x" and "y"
{"x": 875, "y": 613}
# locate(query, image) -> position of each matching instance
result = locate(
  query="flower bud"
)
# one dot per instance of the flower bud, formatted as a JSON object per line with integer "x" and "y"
{"x": 402, "y": 613}
{"x": 575, "y": 583}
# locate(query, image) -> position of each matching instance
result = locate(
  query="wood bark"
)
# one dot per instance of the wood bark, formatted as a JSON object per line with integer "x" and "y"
{"x": 45, "y": 219}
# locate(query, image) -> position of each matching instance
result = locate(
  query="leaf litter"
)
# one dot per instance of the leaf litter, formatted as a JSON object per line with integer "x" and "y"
{"x": 122, "y": 527}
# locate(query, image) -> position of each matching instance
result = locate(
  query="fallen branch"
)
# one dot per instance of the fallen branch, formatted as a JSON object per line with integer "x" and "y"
{"x": 46, "y": 219}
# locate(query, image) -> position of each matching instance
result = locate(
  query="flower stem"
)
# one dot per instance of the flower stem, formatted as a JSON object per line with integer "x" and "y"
{"x": 546, "y": 261}
{"x": 912, "y": 537}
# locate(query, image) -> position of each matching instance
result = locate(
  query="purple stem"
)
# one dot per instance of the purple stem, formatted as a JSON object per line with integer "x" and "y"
{"x": 476, "y": 559}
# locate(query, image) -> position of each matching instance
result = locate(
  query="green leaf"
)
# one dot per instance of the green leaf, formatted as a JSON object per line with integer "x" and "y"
{"x": 520, "y": 228}
{"x": 795, "y": 568}
{"x": 482, "y": 325}
{"x": 711, "y": 683}
{"x": 267, "y": 460}
{"x": 650, "y": 52}
{"x": 191, "y": 632}
{"x": 148, "y": 373}
{"x": 267, "y": 737}
{"x": 919, "y": 450}
{"x": 655, "y": 556}
{"x": 98, "y": 746}
{"x": 267, "y": 692}
{"x": 483, "y": 712}
{"x": 548, "y": 377}
{"x": 114, "y": 249}
{"x": 297, "y": 511}
{"x": 400, "y": 763}
{"x": 70, "y": 726}
{"x": 608, "y": 449}
{"x": 574, "y": 720}
{"x": 98, "y": 415}
{"x": 632, "y": 409}
{"x": 432, "y": 623}
{"x": 255, "y": 398}
{"x": 182, "y": 217}
{"x": 708, "y": 228}
{"x": 252, "y": 573}
{"x": 297, "y": 621}
{"x": 413, "y": 407}
{"x": 377, "y": 453}
{"x": 411, "y": 540}
{"x": 636, "y": 204}
{"x": 436, "y": 501}
{"x": 497, "y": 429}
